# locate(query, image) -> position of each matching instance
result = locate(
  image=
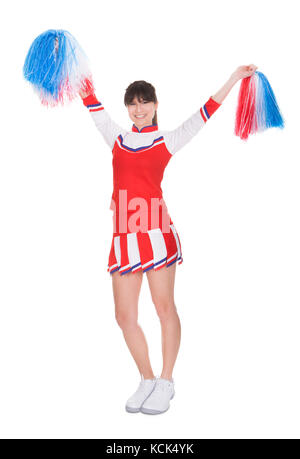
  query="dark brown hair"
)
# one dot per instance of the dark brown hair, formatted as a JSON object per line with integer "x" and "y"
{"x": 143, "y": 91}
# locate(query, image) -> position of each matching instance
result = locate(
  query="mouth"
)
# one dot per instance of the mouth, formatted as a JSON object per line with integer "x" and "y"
{"x": 140, "y": 116}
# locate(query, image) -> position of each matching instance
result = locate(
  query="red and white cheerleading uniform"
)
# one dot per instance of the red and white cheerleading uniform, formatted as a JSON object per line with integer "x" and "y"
{"x": 145, "y": 238}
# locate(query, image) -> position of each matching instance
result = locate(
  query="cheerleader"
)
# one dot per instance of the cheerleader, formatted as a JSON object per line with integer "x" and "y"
{"x": 144, "y": 238}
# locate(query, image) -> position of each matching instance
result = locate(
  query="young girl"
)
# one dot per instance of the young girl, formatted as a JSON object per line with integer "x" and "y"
{"x": 146, "y": 240}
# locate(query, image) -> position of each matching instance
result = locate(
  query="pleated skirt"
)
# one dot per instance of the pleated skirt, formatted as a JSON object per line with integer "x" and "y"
{"x": 141, "y": 251}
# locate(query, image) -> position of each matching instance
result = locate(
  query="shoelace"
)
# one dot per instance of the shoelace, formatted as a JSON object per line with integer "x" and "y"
{"x": 142, "y": 387}
{"x": 162, "y": 385}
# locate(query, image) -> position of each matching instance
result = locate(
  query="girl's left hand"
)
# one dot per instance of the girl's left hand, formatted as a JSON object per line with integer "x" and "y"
{"x": 245, "y": 71}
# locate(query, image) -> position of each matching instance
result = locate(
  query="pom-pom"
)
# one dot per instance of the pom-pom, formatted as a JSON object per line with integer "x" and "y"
{"x": 257, "y": 108}
{"x": 57, "y": 67}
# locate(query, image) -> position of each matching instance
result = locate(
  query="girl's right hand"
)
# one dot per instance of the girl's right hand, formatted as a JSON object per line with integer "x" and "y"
{"x": 83, "y": 94}
{"x": 86, "y": 89}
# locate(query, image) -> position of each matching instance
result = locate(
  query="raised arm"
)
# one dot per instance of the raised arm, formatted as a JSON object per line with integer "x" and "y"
{"x": 108, "y": 128}
{"x": 243, "y": 71}
{"x": 180, "y": 136}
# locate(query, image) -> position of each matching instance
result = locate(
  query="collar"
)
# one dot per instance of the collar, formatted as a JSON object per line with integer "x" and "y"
{"x": 150, "y": 128}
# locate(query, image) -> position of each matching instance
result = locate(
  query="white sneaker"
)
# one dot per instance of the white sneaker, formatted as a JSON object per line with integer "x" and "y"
{"x": 159, "y": 400}
{"x": 145, "y": 388}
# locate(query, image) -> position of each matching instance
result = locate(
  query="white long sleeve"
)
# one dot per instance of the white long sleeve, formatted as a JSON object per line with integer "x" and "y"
{"x": 179, "y": 137}
{"x": 108, "y": 128}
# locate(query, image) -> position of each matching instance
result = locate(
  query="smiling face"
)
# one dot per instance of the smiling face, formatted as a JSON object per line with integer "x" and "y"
{"x": 141, "y": 112}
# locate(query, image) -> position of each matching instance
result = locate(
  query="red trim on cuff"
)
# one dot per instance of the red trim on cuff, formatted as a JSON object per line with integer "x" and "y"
{"x": 90, "y": 100}
{"x": 211, "y": 106}
{"x": 203, "y": 117}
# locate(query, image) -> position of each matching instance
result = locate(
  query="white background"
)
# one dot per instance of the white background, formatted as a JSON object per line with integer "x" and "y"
{"x": 66, "y": 371}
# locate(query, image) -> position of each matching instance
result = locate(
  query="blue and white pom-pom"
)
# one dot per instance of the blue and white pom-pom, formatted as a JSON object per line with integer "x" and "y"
{"x": 57, "y": 67}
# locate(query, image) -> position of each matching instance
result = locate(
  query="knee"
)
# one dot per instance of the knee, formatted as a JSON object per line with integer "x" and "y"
{"x": 165, "y": 309}
{"x": 125, "y": 320}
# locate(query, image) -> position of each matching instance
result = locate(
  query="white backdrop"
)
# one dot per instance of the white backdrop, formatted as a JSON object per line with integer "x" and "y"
{"x": 66, "y": 371}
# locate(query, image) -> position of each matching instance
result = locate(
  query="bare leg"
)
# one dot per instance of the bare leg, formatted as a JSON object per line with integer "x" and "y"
{"x": 126, "y": 290}
{"x": 161, "y": 285}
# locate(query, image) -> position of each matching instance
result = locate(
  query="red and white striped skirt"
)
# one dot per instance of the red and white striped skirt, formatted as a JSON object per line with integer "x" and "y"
{"x": 132, "y": 252}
